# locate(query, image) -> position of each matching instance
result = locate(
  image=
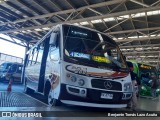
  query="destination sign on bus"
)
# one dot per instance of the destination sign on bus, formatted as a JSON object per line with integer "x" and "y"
{"x": 87, "y": 56}
{"x": 145, "y": 66}
{"x": 80, "y": 55}
{"x": 101, "y": 59}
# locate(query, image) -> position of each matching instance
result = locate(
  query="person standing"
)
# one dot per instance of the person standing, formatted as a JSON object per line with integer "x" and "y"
{"x": 153, "y": 85}
{"x": 133, "y": 102}
{"x": 139, "y": 84}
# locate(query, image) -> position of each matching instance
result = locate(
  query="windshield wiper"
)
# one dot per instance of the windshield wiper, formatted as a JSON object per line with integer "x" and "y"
{"x": 102, "y": 43}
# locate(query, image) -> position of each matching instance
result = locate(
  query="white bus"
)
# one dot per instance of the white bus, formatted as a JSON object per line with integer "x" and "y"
{"x": 78, "y": 66}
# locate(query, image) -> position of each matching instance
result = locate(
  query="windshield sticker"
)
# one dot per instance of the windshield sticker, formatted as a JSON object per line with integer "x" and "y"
{"x": 101, "y": 59}
{"x": 80, "y": 55}
{"x": 145, "y": 67}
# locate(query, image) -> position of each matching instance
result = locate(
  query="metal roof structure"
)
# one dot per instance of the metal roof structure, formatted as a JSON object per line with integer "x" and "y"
{"x": 133, "y": 24}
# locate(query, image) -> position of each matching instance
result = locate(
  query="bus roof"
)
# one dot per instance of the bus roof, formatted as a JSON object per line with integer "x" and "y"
{"x": 50, "y": 31}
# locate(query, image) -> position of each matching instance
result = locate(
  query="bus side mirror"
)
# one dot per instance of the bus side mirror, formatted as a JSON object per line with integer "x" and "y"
{"x": 53, "y": 38}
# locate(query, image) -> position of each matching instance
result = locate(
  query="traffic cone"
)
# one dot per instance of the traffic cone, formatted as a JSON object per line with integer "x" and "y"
{"x": 9, "y": 89}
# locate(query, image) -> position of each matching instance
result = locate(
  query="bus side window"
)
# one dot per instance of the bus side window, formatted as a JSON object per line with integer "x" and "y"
{"x": 28, "y": 61}
{"x": 54, "y": 53}
{"x": 35, "y": 54}
{"x": 19, "y": 70}
{"x": 40, "y": 53}
{"x": 13, "y": 68}
{"x": 30, "y": 57}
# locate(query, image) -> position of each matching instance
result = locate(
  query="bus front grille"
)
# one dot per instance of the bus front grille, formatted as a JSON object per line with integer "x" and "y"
{"x": 106, "y": 84}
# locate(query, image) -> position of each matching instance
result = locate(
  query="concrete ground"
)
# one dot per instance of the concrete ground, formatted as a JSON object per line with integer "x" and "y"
{"x": 16, "y": 87}
{"x": 17, "y": 94}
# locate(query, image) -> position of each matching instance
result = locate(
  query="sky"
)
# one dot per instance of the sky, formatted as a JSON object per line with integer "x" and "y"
{"x": 11, "y": 48}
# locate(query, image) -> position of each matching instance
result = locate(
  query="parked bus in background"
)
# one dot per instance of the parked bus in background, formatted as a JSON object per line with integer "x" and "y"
{"x": 144, "y": 72}
{"x": 10, "y": 70}
{"x": 78, "y": 66}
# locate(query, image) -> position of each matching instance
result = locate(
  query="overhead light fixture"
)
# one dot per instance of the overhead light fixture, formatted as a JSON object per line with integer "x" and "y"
{"x": 29, "y": 31}
{"x": 15, "y": 32}
{"x": 84, "y": 23}
{"x": 96, "y": 21}
{"x": 109, "y": 19}
{"x": 75, "y": 23}
{"x": 23, "y": 31}
{"x": 120, "y": 38}
{"x": 38, "y": 29}
{"x": 46, "y": 28}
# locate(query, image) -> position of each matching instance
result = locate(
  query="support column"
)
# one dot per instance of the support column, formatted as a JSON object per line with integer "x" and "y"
{"x": 24, "y": 64}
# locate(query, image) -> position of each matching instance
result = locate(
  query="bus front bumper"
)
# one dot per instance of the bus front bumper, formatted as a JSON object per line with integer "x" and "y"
{"x": 92, "y": 97}
{"x": 86, "y": 104}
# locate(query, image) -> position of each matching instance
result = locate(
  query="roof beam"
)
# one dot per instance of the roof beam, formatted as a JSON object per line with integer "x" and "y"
{"x": 22, "y": 11}
{"x": 67, "y": 11}
{"x": 139, "y": 56}
{"x": 136, "y": 39}
{"x": 41, "y": 5}
{"x": 136, "y": 52}
{"x": 140, "y": 3}
{"x": 86, "y": 19}
{"x": 35, "y": 10}
{"x": 149, "y": 60}
{"x": 148, "y": 45}
{"x": 20, "y": 17}
{"x": 11, "y": 42}
{"x": 134, "y": 30}
{"x": 155, "y": 3}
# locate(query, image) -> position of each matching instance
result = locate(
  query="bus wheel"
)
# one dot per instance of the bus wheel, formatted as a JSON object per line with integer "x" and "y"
{"x": 51, "y": 100}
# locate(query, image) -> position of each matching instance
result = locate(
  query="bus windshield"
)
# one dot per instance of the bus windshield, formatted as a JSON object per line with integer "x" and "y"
{"x": 5, "y": 66}
{"x": 146, "y": 71}
{"x": 91, "y": 48}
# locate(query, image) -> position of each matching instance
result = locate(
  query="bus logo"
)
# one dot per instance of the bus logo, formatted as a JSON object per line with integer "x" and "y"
{"x": 107, "y": 84}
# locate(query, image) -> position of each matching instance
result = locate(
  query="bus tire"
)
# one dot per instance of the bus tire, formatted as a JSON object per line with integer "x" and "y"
{"x": 52, "y": 101}
{"x": 47, "y": 93}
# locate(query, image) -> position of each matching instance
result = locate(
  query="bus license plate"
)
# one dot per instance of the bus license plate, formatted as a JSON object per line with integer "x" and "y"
{"x": 106, "y": 96}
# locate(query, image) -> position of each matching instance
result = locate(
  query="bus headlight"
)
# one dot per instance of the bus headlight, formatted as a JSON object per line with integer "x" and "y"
{"x": 158, "y": 90}
{"x": 73, "y": 79}
{"x": 143, "y": 88}
{"x": 128, "y": 87}
{"x": 4, "y": 74}
{"x": 81, "y": 82}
